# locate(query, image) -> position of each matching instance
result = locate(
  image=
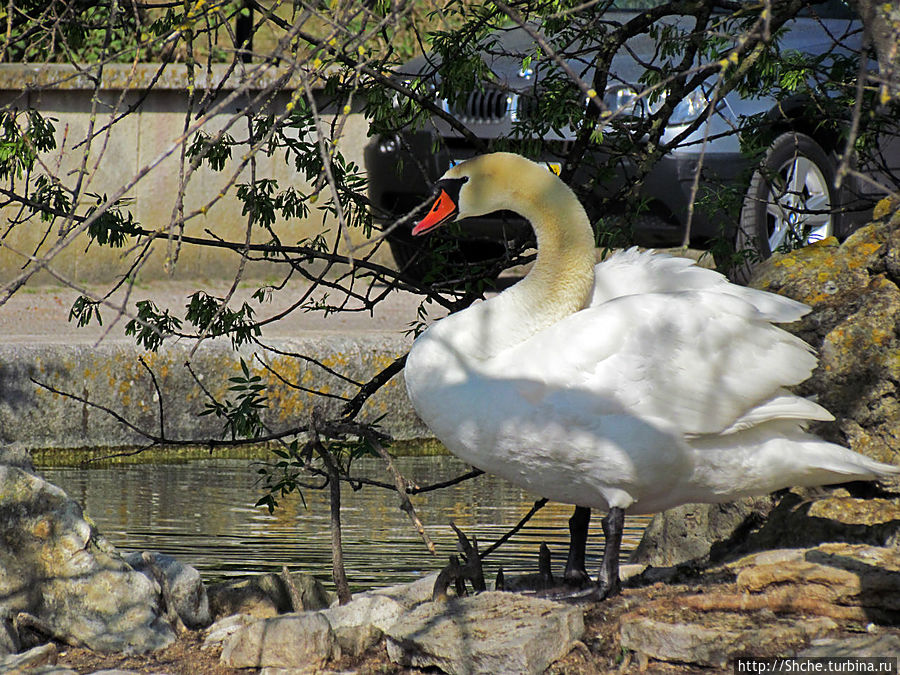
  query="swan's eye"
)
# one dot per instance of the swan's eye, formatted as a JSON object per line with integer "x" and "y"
{"x": 451, "y": 187}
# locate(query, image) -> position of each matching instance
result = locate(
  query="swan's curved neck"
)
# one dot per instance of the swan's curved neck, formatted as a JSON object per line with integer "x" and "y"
{"x": 562, "y": 277}
{"x": 558, "y": 284}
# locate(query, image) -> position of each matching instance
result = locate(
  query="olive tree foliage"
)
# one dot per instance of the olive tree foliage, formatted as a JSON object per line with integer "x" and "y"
{"x": 338, "y": 58}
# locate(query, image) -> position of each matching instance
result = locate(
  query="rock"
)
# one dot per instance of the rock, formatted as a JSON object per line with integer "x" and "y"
{"x": 853, "y": 511}
{"x": 302, "y": 640}
{"x": 361, "y": 623}
{"x": 265, "y": 596}
{"x": 57, "y": 568}
{"x": 33, "y": 658}
{"x": 835, "y": 578}
{"x": 15, "y": 454}
{"x": 185, "y": 584}
{"x": 855, "y": 304}
{"x": 9, "y": 640}
{"x": 817, "y": 273}
{"x": 717, "y": 639}
{"x": 692, "y": 531}
{"x": 217, "y": 633}
{"x": 856, "y": 645}
{"x": 492, "y": 632}
{"x": 412, "y": 594}
{"x": 805, "y": 518}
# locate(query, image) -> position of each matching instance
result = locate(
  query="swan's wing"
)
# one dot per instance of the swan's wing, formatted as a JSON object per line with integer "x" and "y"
{"x": 694, "y": 362}
{"x": 634, "y": 272}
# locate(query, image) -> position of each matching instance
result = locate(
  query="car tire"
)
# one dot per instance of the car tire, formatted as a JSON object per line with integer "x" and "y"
{"x": 791, "y": 201}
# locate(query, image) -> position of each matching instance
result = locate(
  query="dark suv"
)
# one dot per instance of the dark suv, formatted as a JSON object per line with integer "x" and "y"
{"x": 786, "y": 194}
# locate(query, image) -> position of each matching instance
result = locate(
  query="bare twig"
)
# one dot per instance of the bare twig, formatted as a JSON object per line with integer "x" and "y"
{"x": 334, "y": 483}
{"x": 538, "y": 505}
{"x": 402, "y": 487}
{"x": 293, "y": 592}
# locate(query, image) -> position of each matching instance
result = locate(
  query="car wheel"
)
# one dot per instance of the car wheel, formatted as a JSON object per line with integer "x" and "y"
{"x": 791, "y": 201}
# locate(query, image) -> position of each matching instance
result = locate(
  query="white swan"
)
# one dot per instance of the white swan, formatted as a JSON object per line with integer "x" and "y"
{"x": 636, "y": 385}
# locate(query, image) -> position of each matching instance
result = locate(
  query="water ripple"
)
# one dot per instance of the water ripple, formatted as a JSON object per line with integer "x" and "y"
{"x": 203, "y": 513}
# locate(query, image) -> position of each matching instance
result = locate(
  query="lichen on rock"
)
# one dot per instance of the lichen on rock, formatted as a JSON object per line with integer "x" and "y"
{"x": 55, "y": 567}
{"x": 853, "y": 291}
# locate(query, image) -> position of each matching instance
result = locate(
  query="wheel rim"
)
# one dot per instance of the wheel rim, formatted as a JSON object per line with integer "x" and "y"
{"x": 798, "y": 208}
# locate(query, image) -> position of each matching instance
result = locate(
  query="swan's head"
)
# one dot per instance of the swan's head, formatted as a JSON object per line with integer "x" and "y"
{"x": 485, "y": 184}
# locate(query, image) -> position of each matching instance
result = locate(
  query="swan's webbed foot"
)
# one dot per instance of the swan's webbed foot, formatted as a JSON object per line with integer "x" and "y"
{"x": 576, "y": 578}
{"x": 456, "y": 573}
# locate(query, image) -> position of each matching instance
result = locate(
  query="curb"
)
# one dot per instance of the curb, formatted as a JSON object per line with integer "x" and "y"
{"x": 111, "y": 375}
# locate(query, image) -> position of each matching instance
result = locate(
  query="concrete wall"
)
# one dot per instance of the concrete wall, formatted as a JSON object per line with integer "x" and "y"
{"x": 141, "y": 140}
{"x": 109, "y": 374}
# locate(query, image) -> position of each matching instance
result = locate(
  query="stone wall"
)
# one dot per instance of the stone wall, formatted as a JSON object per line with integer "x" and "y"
{"x": 110, "y": 375}
{"x": 147, "y": 140}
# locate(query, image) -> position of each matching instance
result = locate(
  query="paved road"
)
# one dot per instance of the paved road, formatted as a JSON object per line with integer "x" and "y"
{"x": 41, "y": 314}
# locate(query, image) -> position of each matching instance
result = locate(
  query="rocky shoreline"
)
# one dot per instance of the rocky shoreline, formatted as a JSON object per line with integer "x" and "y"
{"x": 806, "y": 573}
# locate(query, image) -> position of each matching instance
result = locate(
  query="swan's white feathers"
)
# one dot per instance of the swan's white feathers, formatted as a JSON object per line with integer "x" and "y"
{"x": 632, "y": 272}
{"x": 696, "y": 362}
{"x": 782, "y": 406}
{"x": 643, "y": 382}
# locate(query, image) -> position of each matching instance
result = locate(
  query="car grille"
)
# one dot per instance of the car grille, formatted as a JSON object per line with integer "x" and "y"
{"x": 490, "y": 105}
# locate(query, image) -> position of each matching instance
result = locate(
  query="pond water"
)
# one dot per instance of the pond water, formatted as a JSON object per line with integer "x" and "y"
{"x": 203, "y": 513}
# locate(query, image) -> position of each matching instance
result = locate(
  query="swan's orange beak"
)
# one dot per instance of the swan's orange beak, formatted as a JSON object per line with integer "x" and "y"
{"x": 443, "y": 210}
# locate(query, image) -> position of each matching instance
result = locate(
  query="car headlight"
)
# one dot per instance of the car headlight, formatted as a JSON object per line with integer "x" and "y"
{"x": 388, "y": 145}
{"x": 626, "y": 100}
{"x": 690, "y": 107}
{"x": 623, "y": 100}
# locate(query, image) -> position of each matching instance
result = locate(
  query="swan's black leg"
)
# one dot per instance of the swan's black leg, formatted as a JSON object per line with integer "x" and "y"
{"x": 576, "y": 573}
{"x": 613, "y": 525}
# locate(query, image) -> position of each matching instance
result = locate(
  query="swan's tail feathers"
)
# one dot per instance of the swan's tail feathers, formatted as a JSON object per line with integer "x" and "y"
{"x": 774, "y": 308}
{"x": 775, "y": 455}
{"x": 829, "y": 464}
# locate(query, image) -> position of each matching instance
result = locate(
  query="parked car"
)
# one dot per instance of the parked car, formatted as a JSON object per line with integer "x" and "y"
{"x": 787, "y": 198}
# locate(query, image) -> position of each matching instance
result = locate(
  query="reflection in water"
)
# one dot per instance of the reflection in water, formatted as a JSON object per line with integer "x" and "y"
{"x": 203, "y": 513}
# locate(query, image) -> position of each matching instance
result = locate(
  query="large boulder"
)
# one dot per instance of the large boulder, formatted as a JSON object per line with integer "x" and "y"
{"x": 855, "y": 299}
{"x": 853, "y": 289}
{"x": 266, "y": 595}
{"x": 781, "y": 602}
{"x": 361, "y": 623}
{"x": 185, "y": 585}
{"x": 843, "y": 581}
{"x": 694, "y": 532}
{"x": 300, "y": 641}
{"x": 492, "y": 632}
{"x": 56, "y": 568}
{"x": 718, "y": 638}
{"x": 696, "y": 535}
